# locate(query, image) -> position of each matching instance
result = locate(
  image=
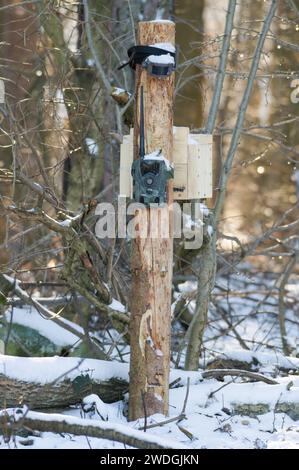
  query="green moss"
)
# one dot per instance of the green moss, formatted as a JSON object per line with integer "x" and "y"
{"x": 250, "y": 409}
{"x": 26, "y": 341}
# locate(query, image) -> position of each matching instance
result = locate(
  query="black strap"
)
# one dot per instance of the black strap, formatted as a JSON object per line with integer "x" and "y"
{"x": 137, "y": 55}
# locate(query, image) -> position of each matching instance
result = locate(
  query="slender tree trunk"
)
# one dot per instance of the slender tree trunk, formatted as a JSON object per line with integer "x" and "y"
{"x": 206, "y": 278}
{"x": 287, "y": 349}
{"x": 196, "y": 328}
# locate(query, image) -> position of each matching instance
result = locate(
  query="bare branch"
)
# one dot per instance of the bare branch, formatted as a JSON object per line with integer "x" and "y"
{"x": 222, "y": 66}
{"x": 243, "y": 107}
{"x": 215, "y": 373}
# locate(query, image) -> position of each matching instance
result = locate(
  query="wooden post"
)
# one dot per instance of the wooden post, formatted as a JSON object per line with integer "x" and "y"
{"x": 152, "y": 257}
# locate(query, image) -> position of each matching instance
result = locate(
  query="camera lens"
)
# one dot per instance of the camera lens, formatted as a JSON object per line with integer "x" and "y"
{"x": 149, "y": 181}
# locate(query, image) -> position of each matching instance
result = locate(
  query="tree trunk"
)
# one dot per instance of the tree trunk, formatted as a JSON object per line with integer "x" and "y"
{"x": 152, "y": 256}
{"x": 206, "y": 277}
{"x": 198, "y": 323}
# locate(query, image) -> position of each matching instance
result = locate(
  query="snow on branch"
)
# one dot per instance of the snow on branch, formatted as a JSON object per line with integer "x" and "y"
{"x": 14, "y": 419}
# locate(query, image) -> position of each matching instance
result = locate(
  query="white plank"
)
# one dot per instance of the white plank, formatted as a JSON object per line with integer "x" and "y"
{"x": 192, "y": 157}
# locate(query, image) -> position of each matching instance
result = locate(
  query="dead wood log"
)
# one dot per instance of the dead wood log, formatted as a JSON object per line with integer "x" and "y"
{"x": 251, "y": 361}
{"x": 71, "y": 391}
{"x": 58, "y": 423}
{"x": 219, "y": 373}
{"x": 62, "y": 394}
{"x": 57, "y": 382}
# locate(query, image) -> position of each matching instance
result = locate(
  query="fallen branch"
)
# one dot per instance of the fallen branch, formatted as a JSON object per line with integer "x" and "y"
{"x": 11, "y": 422}
{"x": 58, "y": 382}
{"x": 252, "y": 361}
{"x": 216, "y": 373}
{"x": 58, "y": 395}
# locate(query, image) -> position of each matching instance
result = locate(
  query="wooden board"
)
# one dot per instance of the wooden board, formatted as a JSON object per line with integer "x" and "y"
{"x": 192, "y": 159}
{"x": 200, "y": 166}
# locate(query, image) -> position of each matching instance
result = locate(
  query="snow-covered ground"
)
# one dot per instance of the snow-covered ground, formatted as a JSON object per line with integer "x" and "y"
{"x": 212, "y": 417}
{"x": 208, "y": 423}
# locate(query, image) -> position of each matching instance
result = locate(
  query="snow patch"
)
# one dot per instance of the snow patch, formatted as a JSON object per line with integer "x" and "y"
{"x": 157, "y": 155}
{"x": 65, "y": 223}
{"x": 32, "y": 319}
{"x": 204, "y": 210}
{"x": 167, "y": 46}
{"x": 61, "y": 110}
{"x": 190, "y": 223}
{"x": 164, "y": 59}
{"x": 191, "y": 140}
{"x": 90, "y": 62}
{"x": 48, "y": 369}
{"x": 118, "y": 91}
{"x": 93, "y": 404}
{"x": 210, "y": 230}
{"x": 92, "y": 146}
{"x": 161, "y": 21}
{"x": 118, "y": 306}
{"x": 168, "y": 443}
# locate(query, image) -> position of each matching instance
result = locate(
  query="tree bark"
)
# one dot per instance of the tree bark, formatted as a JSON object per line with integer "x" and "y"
{"x": 15, "y": 392}
{"x": 206, "y": 277}
{"x": 152, "y": 256}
